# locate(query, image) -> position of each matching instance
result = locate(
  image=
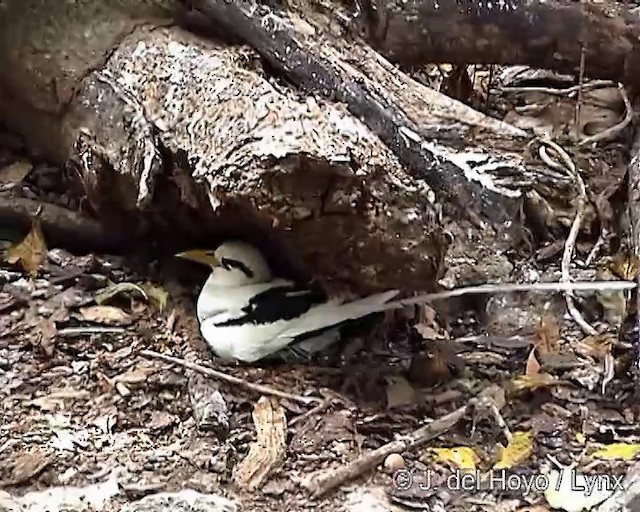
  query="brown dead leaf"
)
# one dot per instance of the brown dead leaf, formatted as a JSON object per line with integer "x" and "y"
{"x": 597, "y": 346}
{"x": 399, "y": 392}
{"x": 48, "y": 336}
{"x": 533, "y": 366}
{"x": 15, "y": 172}
{"x": 547, "y": 334}
{"x": 108, "y": 315}
{"x": 439, "y": 363}
{"x": 27, "y": 466}
{"x": 30, "y": 252}
{"x": 268, "y": 451}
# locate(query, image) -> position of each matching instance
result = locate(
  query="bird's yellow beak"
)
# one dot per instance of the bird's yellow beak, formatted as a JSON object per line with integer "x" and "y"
{"x": 206, "y": 257}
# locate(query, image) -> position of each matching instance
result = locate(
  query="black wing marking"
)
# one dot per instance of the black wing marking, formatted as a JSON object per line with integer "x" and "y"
{"x": 277, "y": 303}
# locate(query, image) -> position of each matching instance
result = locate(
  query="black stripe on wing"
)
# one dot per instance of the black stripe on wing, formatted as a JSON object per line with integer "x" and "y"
{"x": 278, "y": 303}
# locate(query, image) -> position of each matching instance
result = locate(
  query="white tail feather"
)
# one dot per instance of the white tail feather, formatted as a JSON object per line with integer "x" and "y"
{"x": 332, "y": 313}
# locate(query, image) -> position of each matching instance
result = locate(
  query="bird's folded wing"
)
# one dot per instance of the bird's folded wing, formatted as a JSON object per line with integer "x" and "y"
{"x": 285, "y": 301}
{"x": 333, "y": 313}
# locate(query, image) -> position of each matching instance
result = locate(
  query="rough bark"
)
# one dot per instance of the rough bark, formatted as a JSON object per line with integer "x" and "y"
{"x": 187, "y": 139}
{"x": 184, "y": 138}
{"x": 403, "y": 114}
{"x": 541, "y": 34}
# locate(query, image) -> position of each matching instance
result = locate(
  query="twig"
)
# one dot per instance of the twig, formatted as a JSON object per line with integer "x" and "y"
{"x": 573, "y": 234}
{"x": 602, "y": 239}
{"x": 320, "y": 484}
{"x": 62, "y": 227}
{"x": 317, "y": 409}
{"x": 215, "y": 374}
{"x": 594, "y": 84}
{"x": 81, "y": 331}
{"x": 611, "y": 132}
{"x": 580, "y": 89}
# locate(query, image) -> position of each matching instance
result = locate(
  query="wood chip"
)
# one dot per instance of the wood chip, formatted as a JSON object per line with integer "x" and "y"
{"x": 268, "y": 451}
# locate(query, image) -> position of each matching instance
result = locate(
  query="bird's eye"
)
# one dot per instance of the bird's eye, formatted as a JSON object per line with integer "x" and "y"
{"x": 211, "y": 254}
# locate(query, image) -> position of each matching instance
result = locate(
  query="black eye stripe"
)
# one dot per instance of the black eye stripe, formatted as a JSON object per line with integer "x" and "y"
{"x": 228, "y": 264}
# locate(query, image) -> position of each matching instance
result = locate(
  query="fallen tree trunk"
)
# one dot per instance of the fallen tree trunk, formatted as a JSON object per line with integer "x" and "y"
{"x": 171, "y": 135}
{"x": 540, "y": 34}
{"x": 175, "y": 136}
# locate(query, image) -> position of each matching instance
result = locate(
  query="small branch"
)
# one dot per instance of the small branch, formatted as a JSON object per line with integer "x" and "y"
{"x": 612, "y": 132}
{"x": 81, "y": 331}
{"x": 321, "y": 484}
{"x": 215, "y": 374}
{"x": 61, "y": 227}
{"x": 568, "y": 91}
{"x": 573, "y": 234}
{"x": 580, "y": 89}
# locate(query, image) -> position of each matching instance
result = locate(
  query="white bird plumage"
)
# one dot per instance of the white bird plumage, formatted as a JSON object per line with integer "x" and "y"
{"x": 247, "y": 314}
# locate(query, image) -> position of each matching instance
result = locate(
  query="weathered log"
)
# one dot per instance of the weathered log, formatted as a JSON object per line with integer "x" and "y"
{"x": 171, "y": 135}
{"x": 394, "y": 108}
{"x": 541, "y": 34}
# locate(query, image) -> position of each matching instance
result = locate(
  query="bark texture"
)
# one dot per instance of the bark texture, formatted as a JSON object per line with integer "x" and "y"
{"x": 541, "y": 34}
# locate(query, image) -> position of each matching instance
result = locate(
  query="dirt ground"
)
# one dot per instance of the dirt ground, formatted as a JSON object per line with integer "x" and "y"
{"x": 94, "y": 419}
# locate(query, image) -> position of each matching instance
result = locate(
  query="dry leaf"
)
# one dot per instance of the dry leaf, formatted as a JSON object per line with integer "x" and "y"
{"x": 531, "y": 382}
{"x": 268, "y": 451}
{"x": 15, "y": 172}
{"x": 156, "y": 294}
{"x": 597, "y": 346}
{"x": 533, "y": 366}
{"x": 517, "y": 451}
{"x": 115, "y": 289}
{"x": 108, "y": 315}
{"x": 547, "y": 334}
{"x": 618, "y": 451}
{"x": 27, "y": 466}
{"x": 48, "y": 336}
{"x": 462, "y": 457}
{"x": 625, "y": 267}
{"x": 30, "y": 252}
{"x": 399, "y": 392}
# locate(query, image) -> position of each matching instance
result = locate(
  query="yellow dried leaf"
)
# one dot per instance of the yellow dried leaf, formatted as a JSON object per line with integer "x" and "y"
{"x": 618, "y": 451}
{"x": 580, "y": 438}
{"x": 30, "y": 252}
{"x": 530, "y": 382}
{"x": 115, "y": 289}
{"x": 108, "y": 315}
{"x": 156, "y": 294}
{"x": 462, "y": 457}
{"x": 625, "y": 267}
{"x": 517, "y": 451}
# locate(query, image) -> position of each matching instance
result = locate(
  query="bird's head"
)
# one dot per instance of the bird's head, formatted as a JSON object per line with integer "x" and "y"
{"x": 233, "y": 263}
